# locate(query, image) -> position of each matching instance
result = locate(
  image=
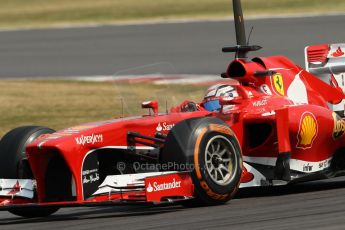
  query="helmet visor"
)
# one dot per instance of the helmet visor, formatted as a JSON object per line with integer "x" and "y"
{"x": 212, "y": 105}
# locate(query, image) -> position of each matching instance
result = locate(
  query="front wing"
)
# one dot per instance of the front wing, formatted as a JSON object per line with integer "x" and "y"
{"x": 142, "y": 188}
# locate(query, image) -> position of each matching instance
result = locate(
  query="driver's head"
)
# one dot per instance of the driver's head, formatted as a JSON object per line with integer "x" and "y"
{"x": 211, "y": 98}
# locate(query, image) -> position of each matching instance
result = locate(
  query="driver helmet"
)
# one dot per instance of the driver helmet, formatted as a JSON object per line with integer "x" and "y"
{"x": 211, "y": 98}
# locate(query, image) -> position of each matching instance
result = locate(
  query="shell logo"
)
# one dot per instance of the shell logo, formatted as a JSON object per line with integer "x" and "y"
{"x": 278, "y": 83}
{"x": 308, "y": 129}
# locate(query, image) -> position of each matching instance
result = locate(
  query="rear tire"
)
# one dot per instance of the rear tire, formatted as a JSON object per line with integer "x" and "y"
{"x": 14, "y": 164}
{"x": 210, "y": 150}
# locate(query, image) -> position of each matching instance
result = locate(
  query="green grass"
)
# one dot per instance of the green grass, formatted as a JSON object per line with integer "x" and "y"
{"x": 49, "y": 12}
{"x": 62, "y": 104}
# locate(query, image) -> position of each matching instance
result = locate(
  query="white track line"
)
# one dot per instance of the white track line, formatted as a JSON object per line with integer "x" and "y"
{"x": 167, "y": 21}
{"x": 154, "y": 79}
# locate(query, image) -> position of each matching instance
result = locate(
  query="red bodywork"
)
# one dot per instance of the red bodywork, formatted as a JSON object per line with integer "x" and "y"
{"x": 285, "y": 112}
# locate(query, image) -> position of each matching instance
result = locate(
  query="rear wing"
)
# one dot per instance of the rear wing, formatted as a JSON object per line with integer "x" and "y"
{"x": 327, "y": 62}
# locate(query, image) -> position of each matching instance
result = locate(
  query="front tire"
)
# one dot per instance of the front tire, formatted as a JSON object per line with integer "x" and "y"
{"x": 210, "y": 150}
{"x": 14, "y": 164}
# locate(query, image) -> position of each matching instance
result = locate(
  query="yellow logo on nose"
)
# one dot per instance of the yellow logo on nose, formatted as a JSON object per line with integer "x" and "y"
{"x": 278, "y": 83}
{"x": 307, "y": 132}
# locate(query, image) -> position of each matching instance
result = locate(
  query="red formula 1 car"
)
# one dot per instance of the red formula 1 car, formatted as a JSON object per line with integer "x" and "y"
{"x": 280, "y": 124}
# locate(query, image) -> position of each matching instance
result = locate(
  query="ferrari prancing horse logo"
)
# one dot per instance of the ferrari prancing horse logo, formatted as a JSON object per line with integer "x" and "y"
{"x": 278, "y": 83}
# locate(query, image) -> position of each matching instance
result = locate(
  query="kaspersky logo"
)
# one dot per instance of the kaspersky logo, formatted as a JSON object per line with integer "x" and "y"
{"x": 163, "y": 186}
{"x": 92, "y": 139}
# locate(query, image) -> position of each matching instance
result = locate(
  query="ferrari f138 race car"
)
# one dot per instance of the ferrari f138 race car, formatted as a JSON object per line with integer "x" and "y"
{"x": 280, "y": 124}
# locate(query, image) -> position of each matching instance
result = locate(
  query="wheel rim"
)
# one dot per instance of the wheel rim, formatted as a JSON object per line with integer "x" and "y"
{"x": 220, "y": 160}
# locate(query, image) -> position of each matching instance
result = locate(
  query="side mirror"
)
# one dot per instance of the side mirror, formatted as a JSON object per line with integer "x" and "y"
{"x": 150, "y": 105}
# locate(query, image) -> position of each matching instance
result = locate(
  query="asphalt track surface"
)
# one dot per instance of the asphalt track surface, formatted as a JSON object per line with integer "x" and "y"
{"x": 316, "y": 205}
{"x": 189, "y": 48}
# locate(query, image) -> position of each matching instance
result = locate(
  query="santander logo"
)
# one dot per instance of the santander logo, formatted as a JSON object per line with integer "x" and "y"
{"x": 163, "y": 186}
{"x": 164, "y": 126}
{"x": 159, "y": 127}
{"x": 149, "y": 188}
{"x": 338, "y": 53}
{"x": 16, "y": 188}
